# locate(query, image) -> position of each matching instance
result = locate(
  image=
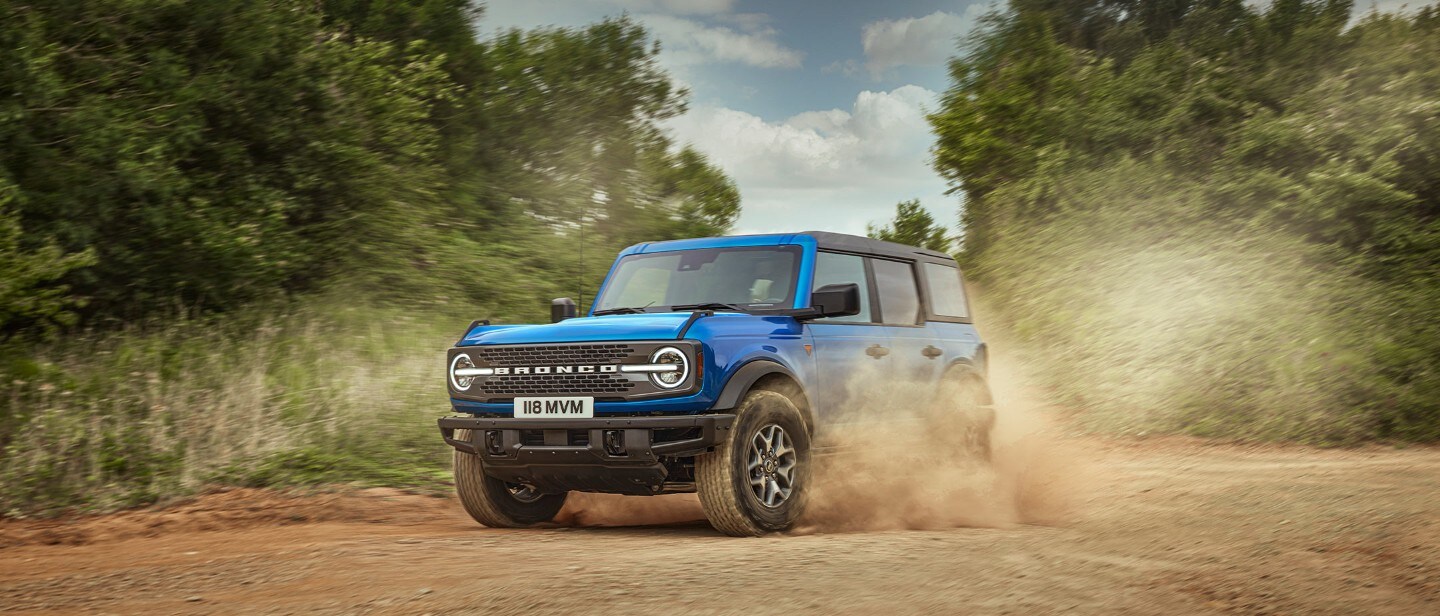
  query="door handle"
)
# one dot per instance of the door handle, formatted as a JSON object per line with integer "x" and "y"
{"x": 931, "y": 352}
{"x": 877, "y": 351}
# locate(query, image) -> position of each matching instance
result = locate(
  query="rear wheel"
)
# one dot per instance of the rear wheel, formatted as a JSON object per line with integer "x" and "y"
{"x": 755, "y": 480}
{"x": 964, "y": 410}
{"x": 495, "y": 503}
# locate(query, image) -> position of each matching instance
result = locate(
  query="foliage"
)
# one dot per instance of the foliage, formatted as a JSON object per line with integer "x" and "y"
{"x": 912, "y": 226}
{"x": 575, "y": 155}
{"x": 24, "y": 295}
{"x": 327, "y": 392}
{"x": 1268, "y": 174}
{"x": 212, "y": 154}
{"x": 253, "y": 224}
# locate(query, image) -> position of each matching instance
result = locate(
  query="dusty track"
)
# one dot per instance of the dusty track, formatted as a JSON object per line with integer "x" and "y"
{"x": 1165, "y": 527}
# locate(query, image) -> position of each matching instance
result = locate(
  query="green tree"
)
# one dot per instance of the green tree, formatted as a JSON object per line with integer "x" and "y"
{"x": 912, "y": 226}
{"x": 211, "y": 153}
{"x": 372, "y": 167}
{"x": 1211, "y": 130}
{"x": 689, "y": 197}
{"x": 575, "y": 153}
{"x": 26, "y": 294}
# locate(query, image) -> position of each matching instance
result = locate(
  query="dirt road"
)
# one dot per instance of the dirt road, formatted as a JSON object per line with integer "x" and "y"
{"x": 1164, "y": 527}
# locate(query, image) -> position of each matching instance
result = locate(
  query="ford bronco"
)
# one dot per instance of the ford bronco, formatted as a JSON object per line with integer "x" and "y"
{"x": 709, "y": 366}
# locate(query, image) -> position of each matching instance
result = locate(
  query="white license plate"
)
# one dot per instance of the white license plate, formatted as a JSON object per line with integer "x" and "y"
{"x": 555, "y": 408}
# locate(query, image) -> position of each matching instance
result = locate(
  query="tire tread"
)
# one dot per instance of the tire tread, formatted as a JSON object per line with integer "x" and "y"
{"x": 715, "y": 478}
{"x": 475, "y": 497}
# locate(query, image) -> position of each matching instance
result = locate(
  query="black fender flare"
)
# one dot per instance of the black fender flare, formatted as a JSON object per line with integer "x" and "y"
{"x": 746, "y": 377}
{"x": 965, "y": 369}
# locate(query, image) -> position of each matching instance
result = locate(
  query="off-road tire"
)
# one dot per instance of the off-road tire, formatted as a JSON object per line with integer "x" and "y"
{"x": 723, "y": 482}
{"x": 965, "y": 413}
{"x": 488, "y": 500}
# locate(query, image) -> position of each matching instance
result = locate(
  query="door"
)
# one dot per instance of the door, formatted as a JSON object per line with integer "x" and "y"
{"x": 948, "y": 313}
{"x": 915, "y": 359}
{"x": 852, "y": 354}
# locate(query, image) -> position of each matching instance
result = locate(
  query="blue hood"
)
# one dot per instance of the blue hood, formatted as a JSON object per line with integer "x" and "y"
{"x": 660, "y": 326}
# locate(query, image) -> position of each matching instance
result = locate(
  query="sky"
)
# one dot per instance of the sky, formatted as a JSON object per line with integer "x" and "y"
{"x": 815, "y": 108}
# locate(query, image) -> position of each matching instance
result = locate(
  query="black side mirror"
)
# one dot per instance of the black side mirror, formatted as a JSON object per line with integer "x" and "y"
{"x": 563, "y": 308}
{"x": 836, "y": 300}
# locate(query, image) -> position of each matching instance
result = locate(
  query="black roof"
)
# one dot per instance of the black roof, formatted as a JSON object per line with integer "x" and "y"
{"x": 864, "y": 245}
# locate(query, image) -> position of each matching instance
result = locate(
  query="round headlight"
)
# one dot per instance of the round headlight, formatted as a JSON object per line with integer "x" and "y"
{"x": 461, "y": 383}
{"x": 673, "y": 378}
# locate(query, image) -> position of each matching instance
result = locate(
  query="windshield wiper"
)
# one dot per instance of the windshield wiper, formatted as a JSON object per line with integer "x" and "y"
{"x": 620, "y": 310}
{"x": 708, "y": 306}
{"x": 624, "y": 310}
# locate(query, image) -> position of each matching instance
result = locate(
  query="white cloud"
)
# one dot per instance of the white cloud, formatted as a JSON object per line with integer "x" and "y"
{"x": 691, "y": 32}
{"x": 679, "y": 7}
{"x": 688, "y": 42}
{"x": 746, "y": 21}
{"x": 918, "y": 41}
{"x": 1387, "y": 6}
{"x": 1361, "y": 8}
{"x": 829, "y": 169}
{"x": 848, "y": 68}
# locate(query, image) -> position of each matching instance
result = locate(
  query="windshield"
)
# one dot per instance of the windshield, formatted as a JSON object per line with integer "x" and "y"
{"x": 750, "y": 277}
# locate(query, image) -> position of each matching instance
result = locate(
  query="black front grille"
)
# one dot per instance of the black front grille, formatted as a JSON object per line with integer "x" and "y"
{"x": 555, "y": 355}
{"x": 556, "y": 384}
{"x": 560, "y": 365}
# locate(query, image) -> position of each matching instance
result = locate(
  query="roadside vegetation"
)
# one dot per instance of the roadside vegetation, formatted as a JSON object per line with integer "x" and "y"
{"x": 1208, "y": 216}
{"x": 236, "y": 236}
{"x": 308, "y": 393}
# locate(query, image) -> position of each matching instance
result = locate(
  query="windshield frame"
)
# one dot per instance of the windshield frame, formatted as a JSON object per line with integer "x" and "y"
{"x": 791, "y": 297}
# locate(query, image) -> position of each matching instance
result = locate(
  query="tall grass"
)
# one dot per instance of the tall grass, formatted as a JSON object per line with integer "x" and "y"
{"x": 318, "y": 393}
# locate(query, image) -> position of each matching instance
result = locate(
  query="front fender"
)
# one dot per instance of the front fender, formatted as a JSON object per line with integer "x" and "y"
{"x": 746, "y": 377}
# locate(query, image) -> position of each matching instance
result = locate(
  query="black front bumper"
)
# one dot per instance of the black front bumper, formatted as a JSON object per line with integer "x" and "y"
{"x": 619, "y": 454}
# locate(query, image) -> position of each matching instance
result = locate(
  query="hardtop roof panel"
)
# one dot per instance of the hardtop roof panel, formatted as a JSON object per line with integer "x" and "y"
{"x": 823, "y": 239}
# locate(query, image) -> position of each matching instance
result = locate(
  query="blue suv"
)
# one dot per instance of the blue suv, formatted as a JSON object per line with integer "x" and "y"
{"x": 718, "y": 366}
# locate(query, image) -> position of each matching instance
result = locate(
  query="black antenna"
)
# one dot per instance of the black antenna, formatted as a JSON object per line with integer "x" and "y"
{"x": 580, "y": 276}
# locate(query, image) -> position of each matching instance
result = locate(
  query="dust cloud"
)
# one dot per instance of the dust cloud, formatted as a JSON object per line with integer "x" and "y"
{"x": 920, "y": 472}
{"x": 927, "y": 472}
{"x": 584, "y": 509}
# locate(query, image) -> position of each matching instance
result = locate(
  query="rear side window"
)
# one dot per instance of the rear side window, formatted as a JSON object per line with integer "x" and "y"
{"x": 899, "y": 298}
{"x": 832, "y": 268}
{"x": 947, "y": 294}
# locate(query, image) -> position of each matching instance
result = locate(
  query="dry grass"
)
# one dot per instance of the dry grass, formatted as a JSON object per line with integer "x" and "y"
{"x": 318, "y": 394}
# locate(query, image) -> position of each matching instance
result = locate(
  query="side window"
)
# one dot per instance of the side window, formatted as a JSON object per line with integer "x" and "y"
{"x": 832, "y": 268}
{"x": 947, "y": 294}
{"x": 899, "y": 299}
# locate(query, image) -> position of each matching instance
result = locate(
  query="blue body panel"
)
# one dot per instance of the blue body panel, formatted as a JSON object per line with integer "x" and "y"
{"x": 665, "y": 326}
{"x": 823, "y": 357}
{"x": 960, "y": 343}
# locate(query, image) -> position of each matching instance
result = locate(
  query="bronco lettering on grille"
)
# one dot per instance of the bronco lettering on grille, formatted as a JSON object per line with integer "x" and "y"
{"x": 604, "y": 369}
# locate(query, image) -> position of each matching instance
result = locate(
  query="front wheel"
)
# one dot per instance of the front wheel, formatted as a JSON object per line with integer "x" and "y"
{"x": 755, "y": 480}
{"x": 495, "y": 503}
